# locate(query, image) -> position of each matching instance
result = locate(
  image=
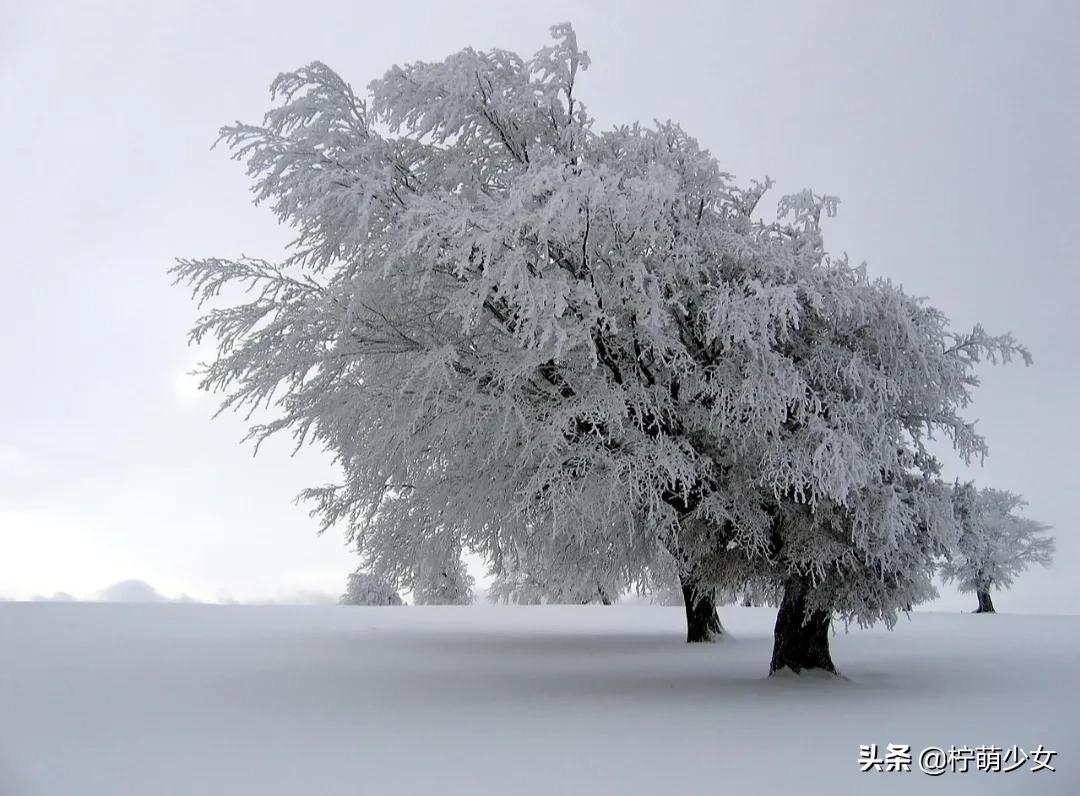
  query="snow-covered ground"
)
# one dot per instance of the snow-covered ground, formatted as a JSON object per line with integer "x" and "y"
{"x": 147, "y": 700}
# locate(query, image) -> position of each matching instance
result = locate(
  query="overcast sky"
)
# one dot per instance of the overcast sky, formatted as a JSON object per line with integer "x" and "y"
{"x": 951, "y": 132}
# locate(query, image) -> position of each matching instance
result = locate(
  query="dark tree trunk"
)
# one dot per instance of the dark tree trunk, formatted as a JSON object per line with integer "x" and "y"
{"x": 605, "y": 598}
{"x": 986, "y": 605}
{"x": 800, "y": 641}
{"x": 702, "y": 621}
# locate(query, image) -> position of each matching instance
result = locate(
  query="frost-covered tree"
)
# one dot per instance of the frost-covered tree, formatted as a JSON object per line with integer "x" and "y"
{"x": 423, "y": 556}
{"x": 520, "y": 587}
{"x": 537, "y": 574}
{"x": 838, "y": 509}
{"x": 479, "y": 314}
{"x": 996, "y": 544}
{"x": 440, "y": 577}
{"x": 855, "y": 513}
{"x": 365, "y": 588}
{"x": 520, "y": 333}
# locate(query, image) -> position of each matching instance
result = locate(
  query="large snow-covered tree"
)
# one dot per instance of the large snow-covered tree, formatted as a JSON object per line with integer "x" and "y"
{"x": 858, "y": 513}
{"x": 519, "y": 333}
{"x": 475, "y": 305}
{"x": 996, "y": 543}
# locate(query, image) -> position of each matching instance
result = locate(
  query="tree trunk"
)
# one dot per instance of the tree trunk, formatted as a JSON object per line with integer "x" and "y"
{"x": 986, "y": 605}
{"x": 702, "y": 621}
{"x": 605, "y": 599}
{"x": 800, "y": 641}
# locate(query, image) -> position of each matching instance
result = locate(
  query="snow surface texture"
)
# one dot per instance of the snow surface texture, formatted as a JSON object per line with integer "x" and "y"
{"x": 148, "y": 700}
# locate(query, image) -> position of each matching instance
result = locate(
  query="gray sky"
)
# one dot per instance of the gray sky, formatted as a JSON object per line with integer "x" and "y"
{"x": 950, "y": 131}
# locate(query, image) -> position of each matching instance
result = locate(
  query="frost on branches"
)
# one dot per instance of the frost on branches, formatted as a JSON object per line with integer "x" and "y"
{"x": 584, "y": 349}
{"x": 440, "y": 577}
{"x": 996, "y": 544}
{"x": 364, "y": 588}
{"x": 535, "y": 576}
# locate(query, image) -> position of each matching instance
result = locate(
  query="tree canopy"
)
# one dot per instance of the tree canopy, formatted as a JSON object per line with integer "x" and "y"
{"x": 996, "y": 542}
{"x": 537, "y": 340}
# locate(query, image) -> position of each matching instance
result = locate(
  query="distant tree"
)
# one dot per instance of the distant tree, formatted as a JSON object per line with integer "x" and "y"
{"x": 536, "y": 586}
{"x": 440, "y": 577}
{"x": 661, "y": 583}
{"x": 996, "y": 543}
{"x": 753, "y": 595}
{"x": 517, "y": 587}
{"x": 670, "y": 596}
{"x": 366, "y": 588}
{"x": 537, "y": 568}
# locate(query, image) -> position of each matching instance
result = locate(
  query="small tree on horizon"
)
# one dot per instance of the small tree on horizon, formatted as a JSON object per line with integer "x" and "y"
{"x": 440, "y": 577}
{"x": 996, "y": 543}
{"x": 366, "y": 588}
